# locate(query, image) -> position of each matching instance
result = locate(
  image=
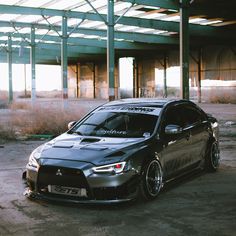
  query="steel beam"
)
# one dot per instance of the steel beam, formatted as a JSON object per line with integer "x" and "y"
{"x": 195, "y": 29}
{"x": 9, "y": 60}
{"x": 167, "y": 4}
{"x": 64, "y": 57}
{"x": 110, "y": 50}
{"x": 88, "y": 42}
{"x": 32, "y": 63}
{"x": 46, "y": 50}
{"x": 55, "y": 48}
{"x": 184, "y": 48}
{"x": 136, "y": 37}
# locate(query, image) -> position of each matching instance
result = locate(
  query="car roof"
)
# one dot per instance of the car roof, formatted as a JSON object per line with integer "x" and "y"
{"x": 147, "y": 102}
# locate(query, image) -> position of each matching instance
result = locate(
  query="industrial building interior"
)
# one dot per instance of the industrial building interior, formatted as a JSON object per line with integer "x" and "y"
{"x": 63, "y": 59}
{"x": 88, "y": 39}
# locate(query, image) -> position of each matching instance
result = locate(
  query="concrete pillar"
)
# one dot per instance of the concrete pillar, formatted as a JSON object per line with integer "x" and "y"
{"x": 146, "y": 75}
{"x": 110, "y": 50}
{"x": 9, "y": 60}
{"x": 165, "y": 77}
{"x": 32, "y": 63}
{"x": 64, "y": 59}
{"x": 184, "y": 48}
{"x": 199, "y": 75}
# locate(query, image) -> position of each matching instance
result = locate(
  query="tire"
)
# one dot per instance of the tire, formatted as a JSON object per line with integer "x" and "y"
{"x": 151, "y": 180}
{"x": 213, "y": 157}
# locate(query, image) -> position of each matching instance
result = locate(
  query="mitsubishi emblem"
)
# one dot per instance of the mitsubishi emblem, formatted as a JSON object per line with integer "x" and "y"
{"x": 58, "y": 173}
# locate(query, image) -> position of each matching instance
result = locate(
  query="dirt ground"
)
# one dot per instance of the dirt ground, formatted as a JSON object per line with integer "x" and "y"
{"x": 201, "y": 204}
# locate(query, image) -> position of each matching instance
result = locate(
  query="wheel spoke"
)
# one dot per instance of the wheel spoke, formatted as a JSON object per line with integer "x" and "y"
{"x": 154, "y": 178}
{"x": 215, "y": 155}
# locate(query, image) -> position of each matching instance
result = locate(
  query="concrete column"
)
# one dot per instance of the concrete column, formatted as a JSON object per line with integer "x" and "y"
{"x": 77, "y": 80}
{"x": 9, "y": 60}
{"x": 94, "y": 80}
{"x": 64, "y": 58}
{"x": 110, "y": 50}
{"x": 32, "y": 63}
{"x": 135, "y": 79}
{"x": 165, "y": 77}
{"x": 199, "y": 75}
{"x": 184, "y": 48}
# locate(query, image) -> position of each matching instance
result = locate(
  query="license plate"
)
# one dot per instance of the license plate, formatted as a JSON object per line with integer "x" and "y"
{"x": 79, "y": 192}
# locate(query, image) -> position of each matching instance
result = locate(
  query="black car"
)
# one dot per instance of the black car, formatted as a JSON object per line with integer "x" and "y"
{"x": 123, "y": 150}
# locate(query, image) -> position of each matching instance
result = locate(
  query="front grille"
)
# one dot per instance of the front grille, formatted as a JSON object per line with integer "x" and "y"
{"x": 68, "y": 177}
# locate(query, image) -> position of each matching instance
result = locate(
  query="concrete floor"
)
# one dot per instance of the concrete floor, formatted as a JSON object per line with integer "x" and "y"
{"x": 202, "y": 204}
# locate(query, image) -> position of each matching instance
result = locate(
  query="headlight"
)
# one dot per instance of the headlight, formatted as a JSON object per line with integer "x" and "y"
{"x": 214, "y": 125}
{"x": 34, "y": 157}
{"x": 112, "y": 168}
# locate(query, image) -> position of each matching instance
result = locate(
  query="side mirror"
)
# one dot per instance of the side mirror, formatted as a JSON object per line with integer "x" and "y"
{"x": 71, "y": 124}
{"x": 173, "y": 129}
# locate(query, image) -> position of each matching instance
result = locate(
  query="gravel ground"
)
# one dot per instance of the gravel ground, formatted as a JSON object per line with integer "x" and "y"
{"x": 201, "y": 204}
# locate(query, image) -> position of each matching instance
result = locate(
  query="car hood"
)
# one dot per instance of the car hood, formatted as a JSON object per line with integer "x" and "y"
{"x": 94, "y": 150}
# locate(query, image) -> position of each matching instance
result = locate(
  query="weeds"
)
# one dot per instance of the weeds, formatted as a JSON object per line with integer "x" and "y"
{"x": 6, "y": 133}
{"x": 37, "y": 120}
{"x": 19, "y": 106}
{"x": 45, "y": 121}
{"x": 222, "y": 97}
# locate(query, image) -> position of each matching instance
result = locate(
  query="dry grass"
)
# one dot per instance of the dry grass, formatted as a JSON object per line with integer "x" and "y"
{"x": 6, "y": 133}
{"x": 25, "y": 121}
{"x": 225, "y": 97}
{"x": 19, "y": 106}
{"x": 44, "y": 121}
{"x": 3, "y": 99}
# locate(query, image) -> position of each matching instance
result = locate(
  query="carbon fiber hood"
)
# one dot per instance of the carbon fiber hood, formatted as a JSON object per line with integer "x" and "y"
{"x": 94, "y": 150}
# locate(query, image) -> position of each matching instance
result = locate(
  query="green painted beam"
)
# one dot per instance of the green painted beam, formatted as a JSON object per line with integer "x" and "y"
{"x": 26, "y": 58}
{"x": 89, "y": 42}
{"x": 136, "y": 37}
{"x": 167, "y": 4}
{"x": 199, "y": 30}
{"x": 54, "y": 46}
{"x": 40, "y": 54}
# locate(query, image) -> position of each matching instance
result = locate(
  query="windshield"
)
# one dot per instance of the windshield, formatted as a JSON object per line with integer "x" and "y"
{"x": 117, "y": 124}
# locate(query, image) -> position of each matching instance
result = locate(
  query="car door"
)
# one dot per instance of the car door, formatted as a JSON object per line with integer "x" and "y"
{"x": 176, "y": 148}
{"x": 195, "y": 122}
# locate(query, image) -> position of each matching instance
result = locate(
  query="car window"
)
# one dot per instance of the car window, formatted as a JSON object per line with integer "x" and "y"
{"x": 173, "y": 116}
{"x": 191, "y": 116}
{"x": 117, "y": 124}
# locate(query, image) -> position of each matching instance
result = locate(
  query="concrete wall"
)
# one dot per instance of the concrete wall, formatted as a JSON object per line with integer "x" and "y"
{"x": 101, "y": 85}
{"x": 218, "y": 63}
{"x": 91, "y": 80}
{"x": 72, "y": 81}
{"x": 146, "y": 77}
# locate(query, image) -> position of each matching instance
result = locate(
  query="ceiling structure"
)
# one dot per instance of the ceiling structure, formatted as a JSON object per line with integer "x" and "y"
{"x": 140, "y": 26}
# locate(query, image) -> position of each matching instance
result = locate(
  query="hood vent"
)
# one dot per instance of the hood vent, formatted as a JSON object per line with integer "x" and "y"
{"x": 116, "y": 154}
{"x": 89, "y": 140}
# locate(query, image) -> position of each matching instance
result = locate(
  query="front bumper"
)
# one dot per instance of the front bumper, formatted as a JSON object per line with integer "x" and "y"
{"x": 101, "y": 188}
{"x": 38, "y": 196}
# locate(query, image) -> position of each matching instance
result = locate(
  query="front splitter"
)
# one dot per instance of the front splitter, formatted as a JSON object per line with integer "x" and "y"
{"x": 38, "y": 196}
